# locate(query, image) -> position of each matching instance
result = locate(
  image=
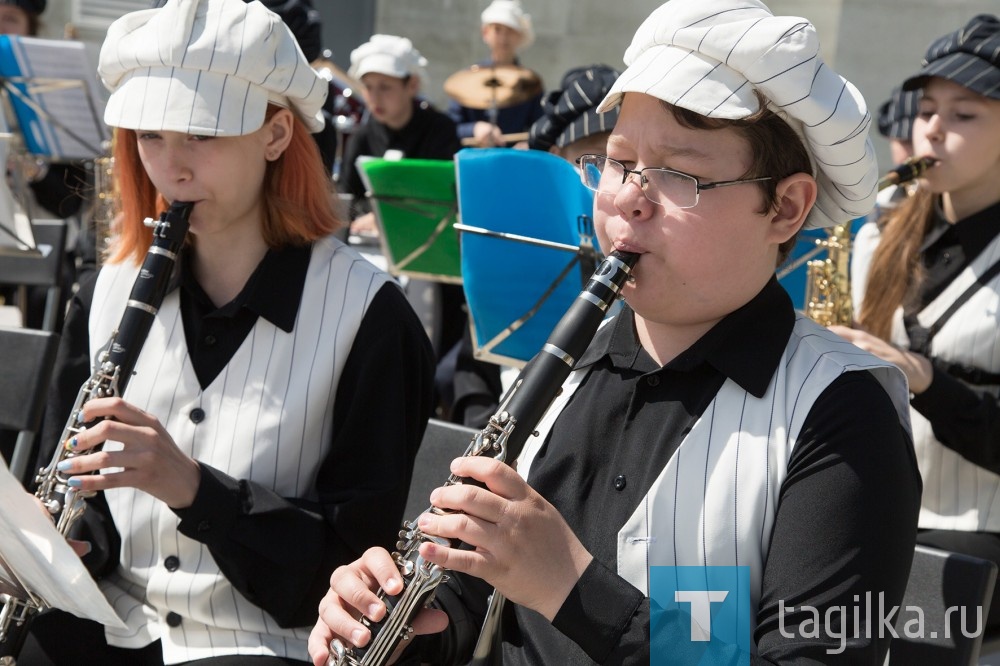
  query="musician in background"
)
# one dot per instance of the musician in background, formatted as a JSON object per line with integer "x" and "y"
{"x": 506, "y": 29}
{"x": 285, "y": 384}
{"x": 59, "y": 189}
{"x": 936, "y": 319}
{"x": 21, "y": 17}
{"x": 570, "y": 127}
{"x": 707, "y": 424}
{"x": 895, "y": 123}
{"x": 391, "y": 72}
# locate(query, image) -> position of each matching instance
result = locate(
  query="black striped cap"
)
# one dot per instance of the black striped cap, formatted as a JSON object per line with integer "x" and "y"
{"x": 895, "y": 116}
{"x": 969, "y": 56}
{"x": 571, "y": 113}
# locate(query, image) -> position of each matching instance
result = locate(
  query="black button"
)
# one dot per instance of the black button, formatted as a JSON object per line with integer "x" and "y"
{"x": 173, "y": 619}
{"x": 204, "y": 526}
{"x": 172, "y": 563}
{"x": 197, "y": 415}
{"x": 620, "y": 482}
{"x": 209, "y": 340}
{"x": 653, "y": 380}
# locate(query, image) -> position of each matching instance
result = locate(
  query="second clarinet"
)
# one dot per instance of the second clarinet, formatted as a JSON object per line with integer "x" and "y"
{"x": 503, "y": 438}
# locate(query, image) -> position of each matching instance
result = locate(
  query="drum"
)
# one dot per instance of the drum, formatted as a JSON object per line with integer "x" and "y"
{"x": 415, "y": 208}
{"x": 526, "y": 236}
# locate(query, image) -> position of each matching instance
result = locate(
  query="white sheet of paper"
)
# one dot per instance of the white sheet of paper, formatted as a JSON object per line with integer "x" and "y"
{"x": 44, "y": 562}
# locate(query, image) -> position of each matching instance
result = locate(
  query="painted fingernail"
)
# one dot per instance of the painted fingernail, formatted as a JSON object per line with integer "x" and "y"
{"x": 75, "y": 482}
{"x": 71, "y": 444}
{"x": 79, "y": 416}
{"x": 64, "y": 465}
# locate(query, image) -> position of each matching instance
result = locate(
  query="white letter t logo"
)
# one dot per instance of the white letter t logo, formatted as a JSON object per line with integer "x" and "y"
{"x": 701, "y": 613}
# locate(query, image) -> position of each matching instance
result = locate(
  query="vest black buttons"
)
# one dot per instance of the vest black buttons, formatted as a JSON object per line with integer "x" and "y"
{"x": 197, "y": 415}
{"x": 173, "y": 619}
{"x": 653, "y": 380}
{"x": 620, "y": 482}
{"x": 172, "y": 563}
{"x": 210, "y": 340}
{"x": 204, "y": 526}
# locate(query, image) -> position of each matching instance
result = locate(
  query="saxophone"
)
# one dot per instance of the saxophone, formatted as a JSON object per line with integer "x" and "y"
{"x": 114, "y": 369}
{"x": 502, "y": 438}
{"x": 104, "y": 208}
{"x": 828, "y": 281}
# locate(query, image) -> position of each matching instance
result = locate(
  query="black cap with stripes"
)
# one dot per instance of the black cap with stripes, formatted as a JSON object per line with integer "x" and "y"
{"x": 969, "y": 56}
{"x": 571, "y": 112}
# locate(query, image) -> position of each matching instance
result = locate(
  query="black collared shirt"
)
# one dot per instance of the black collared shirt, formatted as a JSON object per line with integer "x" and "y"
{"x": 214, "y": 334}
{"x": 964, "y": 419}
{"x": 429, "y": 135}
{"x": 845, "y": 523}
{"x": 279, "y": 551}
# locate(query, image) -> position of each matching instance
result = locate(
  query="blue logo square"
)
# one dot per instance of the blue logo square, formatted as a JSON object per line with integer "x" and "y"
{"x": 699, "y": 616}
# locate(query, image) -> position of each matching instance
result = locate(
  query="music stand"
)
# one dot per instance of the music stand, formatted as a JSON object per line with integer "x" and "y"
{"x": 54, "y": 97}
{"x": 415, "y": 208}
{"x": 527, "y": 247}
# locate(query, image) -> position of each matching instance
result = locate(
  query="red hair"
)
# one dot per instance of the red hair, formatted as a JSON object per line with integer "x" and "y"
{"x": 298, "y": 195}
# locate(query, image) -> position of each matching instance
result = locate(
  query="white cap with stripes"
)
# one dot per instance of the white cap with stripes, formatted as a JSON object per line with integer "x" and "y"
{"x": 710, "y": 57}
{"x": 206, "y": 67}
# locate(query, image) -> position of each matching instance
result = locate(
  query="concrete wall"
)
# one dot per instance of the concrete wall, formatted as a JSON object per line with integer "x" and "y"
{"x": 874, "y": 44}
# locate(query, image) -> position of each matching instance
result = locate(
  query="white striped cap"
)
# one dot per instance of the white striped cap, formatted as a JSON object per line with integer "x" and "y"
{"x": 709, "y": 57}
{"x": 206, "y": 67}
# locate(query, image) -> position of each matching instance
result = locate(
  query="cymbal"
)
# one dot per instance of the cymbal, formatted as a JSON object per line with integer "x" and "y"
{"x": 485, "y": 87}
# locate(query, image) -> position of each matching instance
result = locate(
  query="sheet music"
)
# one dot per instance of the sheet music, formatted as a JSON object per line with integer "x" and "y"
{"x": 43, "y": 561}
{"x": 60, "y": 81}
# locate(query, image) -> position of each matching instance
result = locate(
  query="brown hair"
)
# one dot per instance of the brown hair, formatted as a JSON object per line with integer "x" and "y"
{"x": 896, "y": 272}
{"x": 298, "y": 195}
{"x": 764, "y": 131}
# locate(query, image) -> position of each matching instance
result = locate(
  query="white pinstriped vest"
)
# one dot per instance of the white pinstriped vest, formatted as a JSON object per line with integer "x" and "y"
{"x": 959, "y": 495}
{"x": 267, "y": 418}
{"x": 727, "y": 473}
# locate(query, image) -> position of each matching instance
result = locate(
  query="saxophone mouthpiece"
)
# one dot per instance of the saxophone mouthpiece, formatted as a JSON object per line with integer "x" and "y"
{"x": 909, "y": 170}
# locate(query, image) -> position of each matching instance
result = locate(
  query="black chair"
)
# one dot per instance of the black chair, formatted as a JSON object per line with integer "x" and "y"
{"x": 948, "y": 588}
{"x": 442, "y": 443}
{"x": 44, "y": 270}
{"x": 27, "y": 357}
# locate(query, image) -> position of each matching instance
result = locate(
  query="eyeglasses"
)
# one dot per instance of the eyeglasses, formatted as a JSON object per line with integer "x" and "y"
{"x": 666, "y": 187}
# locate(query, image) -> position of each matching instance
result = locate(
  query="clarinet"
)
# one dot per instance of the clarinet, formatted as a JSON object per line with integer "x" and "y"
{"x": 503, "y": 438}
{"x": 115, "y": 366}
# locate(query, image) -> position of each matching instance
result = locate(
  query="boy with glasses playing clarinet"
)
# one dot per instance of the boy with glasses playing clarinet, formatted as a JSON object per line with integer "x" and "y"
{"x": 707, "y": 424}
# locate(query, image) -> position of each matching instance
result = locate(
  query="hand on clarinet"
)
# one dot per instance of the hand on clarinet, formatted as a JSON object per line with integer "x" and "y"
{"x": 352, "y": 594}
{"x": 522, "y": 544}
{"x": 149, "y": 459}
{"x": 81, "y": 548}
